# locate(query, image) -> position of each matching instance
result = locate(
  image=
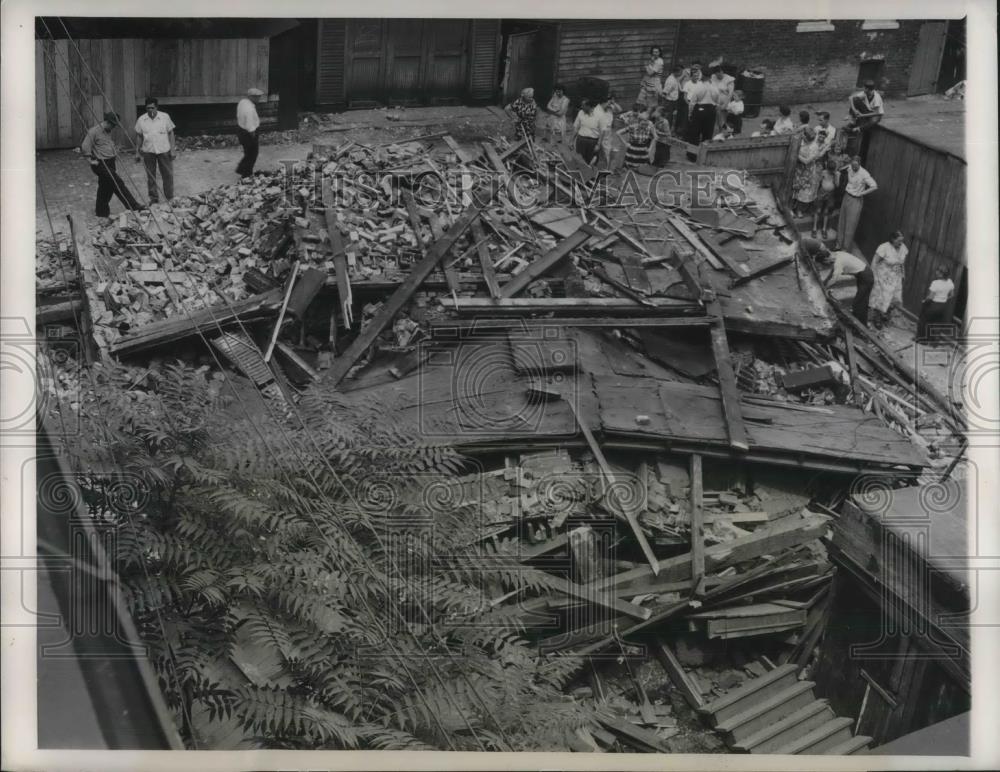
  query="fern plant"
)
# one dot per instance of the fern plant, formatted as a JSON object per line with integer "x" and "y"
{"x": 305, "y": 581}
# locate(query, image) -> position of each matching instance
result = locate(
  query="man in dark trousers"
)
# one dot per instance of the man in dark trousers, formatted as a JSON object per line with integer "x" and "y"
{"x": 844, "y": 263}
{"x": 100, "y": 149}
{"x": 248, "y": 122}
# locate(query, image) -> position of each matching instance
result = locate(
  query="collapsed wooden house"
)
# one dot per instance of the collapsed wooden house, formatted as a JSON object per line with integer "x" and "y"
{"x": 613, "y": 344}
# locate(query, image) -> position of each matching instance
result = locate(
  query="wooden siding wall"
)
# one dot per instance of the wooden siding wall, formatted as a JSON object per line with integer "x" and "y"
{"x": 77, "y": 81}
{"x": 614, "y": 50}
{"x": 921, "y": 192}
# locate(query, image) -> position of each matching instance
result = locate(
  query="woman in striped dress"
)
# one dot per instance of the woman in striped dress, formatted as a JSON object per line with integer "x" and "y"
{"x": 650, "y": 87}
{"x": 639, "y": 135}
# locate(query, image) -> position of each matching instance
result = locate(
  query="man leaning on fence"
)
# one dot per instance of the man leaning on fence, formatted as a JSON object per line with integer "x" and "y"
{"x": 99, "y": 148}
{"x": 247, "y": 124}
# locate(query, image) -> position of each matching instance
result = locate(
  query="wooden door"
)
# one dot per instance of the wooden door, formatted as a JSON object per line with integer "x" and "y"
{"x": 530, "y": 62}
{"x": 447, "y": 61}
{"x": 365, "y": 51}
{"x": 927, "y": 58}
{"x": 405, "y": 41}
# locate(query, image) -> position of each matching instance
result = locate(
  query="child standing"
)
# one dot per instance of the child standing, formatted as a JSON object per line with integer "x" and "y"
{"x": 557, "y": 108}
{"x": 826, "y": 198}
{"x": 735, "y": 109}
{"x": 661, "y": 123}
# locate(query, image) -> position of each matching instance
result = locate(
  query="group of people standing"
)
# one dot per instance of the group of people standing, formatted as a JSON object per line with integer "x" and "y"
{"x": 156, "y": 148}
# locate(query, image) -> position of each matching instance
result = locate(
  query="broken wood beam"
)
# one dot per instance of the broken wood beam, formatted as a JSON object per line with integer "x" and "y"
{"x": 344, "y": 291}
{"x": 574, "y": 306}
{"x": 485, "y": 261}
{"x": 675, "y": 672}
{"x": 728, "y": 390}
{"x": 612, "y": 493}
{"x": 546, "y": 262}
{"x": 481, "y": 198}
{"x": 281, "y": 312}
{"x": 771, "y": 268}
{"x": 852, "y": 364}
{"x": 295, "y": 363}
{"x": 635, "y": 736}
{"x": 451, "y": 327}
{"x": 697, "y": 529}
{"x": 787, "y": 532}
{"x": 68, "y": 310}
{"x": 80, "y": 247}
{"x": 696, "y": 243}
{"x": 589, "y": 594}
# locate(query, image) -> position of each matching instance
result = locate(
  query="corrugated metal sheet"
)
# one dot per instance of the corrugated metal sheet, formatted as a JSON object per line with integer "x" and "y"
{"x": 245, "y": 355}
{"x": 614, "y": 50}
{"x": 330, "y": 51}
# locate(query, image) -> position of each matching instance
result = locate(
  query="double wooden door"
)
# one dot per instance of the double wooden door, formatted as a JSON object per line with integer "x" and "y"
{"x": 406, "y": 61}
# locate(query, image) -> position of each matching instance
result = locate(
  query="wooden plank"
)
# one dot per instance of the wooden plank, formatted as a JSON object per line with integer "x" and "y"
{"x": 463, "y": 155}
{"x": 786, "y": 532}
{"x": 852, "y": 364}
{"x": 612, "y": 494}
{"x": 494, "y": 158}
{"x": 771, "y": 268}
{"x": 546, "y": 262}
{"x": 588, "y": 594}
{"x": 481, "y": 198}
{"x": 635, "y": 274}
{"x": 675, "y": 672}
{"x": 729, "y": 391}
{"x": 697, "y": 528}
{"x": 485, "y": 261}
{"x": 639, "y": 738}
{"x": 344, "y": 291}
{"x": 448, "y": 327}
{"x": 696, "y": 243}
{"x": 575, "y": 306}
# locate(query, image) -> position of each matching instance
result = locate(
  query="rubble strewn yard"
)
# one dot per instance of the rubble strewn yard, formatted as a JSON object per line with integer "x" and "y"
{"x": 652, "y": 410}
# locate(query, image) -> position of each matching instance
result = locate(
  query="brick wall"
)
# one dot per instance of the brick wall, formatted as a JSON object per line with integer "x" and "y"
{"x": 804, "y": 67}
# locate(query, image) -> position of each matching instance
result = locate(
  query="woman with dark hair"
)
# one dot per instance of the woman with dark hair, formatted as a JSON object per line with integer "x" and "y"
{"x": 805, "y": 183}
{"x": 650, "y": 86}
{"x": 887, "y": 265}
{"x": 639, "y": 135}
{"x": 935, "y": 307}
{"x": 587, "y": 131}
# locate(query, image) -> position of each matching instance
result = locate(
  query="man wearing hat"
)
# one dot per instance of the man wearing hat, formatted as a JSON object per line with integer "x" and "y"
{"x": 248, "y": 122}
{"x": 155, "y": 143}
{"x": 99, "y": 148}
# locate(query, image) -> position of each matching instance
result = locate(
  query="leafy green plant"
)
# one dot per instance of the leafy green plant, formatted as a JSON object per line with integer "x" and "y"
{"x": 297, "y": 584}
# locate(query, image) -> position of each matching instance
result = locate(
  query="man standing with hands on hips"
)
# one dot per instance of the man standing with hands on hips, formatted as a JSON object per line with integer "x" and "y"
{"x": 248, "y": 122}
{"x": 155, "y": 145}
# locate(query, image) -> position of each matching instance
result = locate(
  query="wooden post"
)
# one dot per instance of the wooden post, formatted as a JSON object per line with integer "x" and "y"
{"x": 697, "y": 529}
{"x": 86, "y": 318}
{"x": 281, "y": 313}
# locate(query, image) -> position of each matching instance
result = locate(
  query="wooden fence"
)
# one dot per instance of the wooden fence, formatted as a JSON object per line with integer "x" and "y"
{"x": 771, "y": 160}
{"x": 921, "y": 192}
{"x": 77, "y": 81}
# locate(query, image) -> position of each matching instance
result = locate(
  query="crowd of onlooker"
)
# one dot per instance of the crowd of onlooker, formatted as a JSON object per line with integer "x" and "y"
{"x": 698, "y": 104}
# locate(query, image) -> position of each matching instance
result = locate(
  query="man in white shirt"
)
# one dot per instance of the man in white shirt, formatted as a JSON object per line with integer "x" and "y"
{"x": 155, "y": 145}
{"x": 844, "y": 263}
{"x": 671, "y": 96}
{"x": 859, "y": 184}
{"x": 866, "y": 110}
{"x": 828, "y": 129}
{"x": 703, "y": 99}
{"x": 248, "y": 122}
